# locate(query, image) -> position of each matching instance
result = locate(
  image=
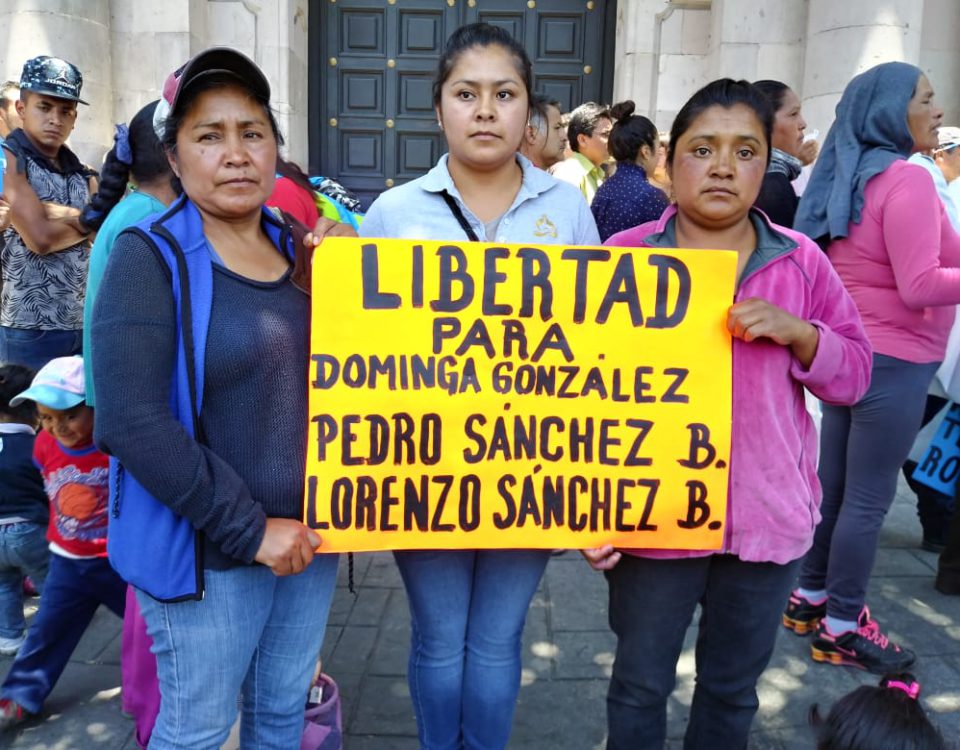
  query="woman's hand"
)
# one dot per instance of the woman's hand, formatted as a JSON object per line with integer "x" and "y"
{"x": 756, "y": 318}
{"x": 809, "y": 150}
{"x": 287, "y": 546}
{"x": 601, "y": 558}
{"x": 327, "y": 228}
{"x": 4, "y": 214}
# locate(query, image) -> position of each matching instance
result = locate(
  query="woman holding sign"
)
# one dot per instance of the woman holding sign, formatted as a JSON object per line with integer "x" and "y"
{"x": 793, "y": 325}
{"x": 468, "y": 607}
{"x": 891, "y": 241}
{"x": 201, "y": 362}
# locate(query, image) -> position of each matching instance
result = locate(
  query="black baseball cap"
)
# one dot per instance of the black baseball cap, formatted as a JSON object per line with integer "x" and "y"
{"x": 209, "y": 62}
{"x": 53, "y": 77}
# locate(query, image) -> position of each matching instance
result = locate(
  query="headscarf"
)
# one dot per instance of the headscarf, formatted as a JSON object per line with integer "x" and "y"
{"x": 869, "y": 134}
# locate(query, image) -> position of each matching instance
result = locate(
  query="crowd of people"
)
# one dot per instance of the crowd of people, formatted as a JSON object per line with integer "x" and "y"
{"x": 168, "y": 488}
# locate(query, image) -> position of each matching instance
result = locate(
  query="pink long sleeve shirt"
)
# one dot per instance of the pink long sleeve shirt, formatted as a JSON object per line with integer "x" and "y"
{"x": 773, "y": 496}
{"x": 900, "y": 265}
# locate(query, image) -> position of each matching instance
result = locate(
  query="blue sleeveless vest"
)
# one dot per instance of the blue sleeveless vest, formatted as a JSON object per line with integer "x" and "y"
{"x": 148, "y": 544}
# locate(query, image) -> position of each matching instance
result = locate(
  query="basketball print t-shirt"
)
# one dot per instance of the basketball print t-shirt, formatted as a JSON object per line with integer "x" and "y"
{"x": 77, "y": 483}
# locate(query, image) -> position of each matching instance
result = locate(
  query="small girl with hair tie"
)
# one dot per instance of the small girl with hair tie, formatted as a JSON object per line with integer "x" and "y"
{"x": 885, "y": 717}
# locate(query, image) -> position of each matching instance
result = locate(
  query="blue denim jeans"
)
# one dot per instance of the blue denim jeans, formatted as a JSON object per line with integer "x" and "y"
{"x": 71, "y": 594}
{"x": 652, "y": 603}
{"x": 467, "y": 608}
{"x": 33, "y": 348}
{"x": 23, "y": 552}
{"x": 253, "y": 635}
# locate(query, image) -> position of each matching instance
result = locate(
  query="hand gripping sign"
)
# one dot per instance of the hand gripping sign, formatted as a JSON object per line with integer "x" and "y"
{"x": 476, "y": 395}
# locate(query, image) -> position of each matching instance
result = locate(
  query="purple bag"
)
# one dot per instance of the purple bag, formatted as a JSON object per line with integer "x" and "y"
{"x": 322, "y": 722}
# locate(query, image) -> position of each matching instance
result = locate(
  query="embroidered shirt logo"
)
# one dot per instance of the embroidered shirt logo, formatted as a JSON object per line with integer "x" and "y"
{"x": 545, "y": 228}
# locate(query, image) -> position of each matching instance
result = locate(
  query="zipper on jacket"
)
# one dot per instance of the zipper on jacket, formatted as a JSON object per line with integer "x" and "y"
{"x": 115, "y": 509}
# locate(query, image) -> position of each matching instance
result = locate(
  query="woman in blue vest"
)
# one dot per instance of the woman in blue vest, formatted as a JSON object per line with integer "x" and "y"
{"x": 201, "y": 353}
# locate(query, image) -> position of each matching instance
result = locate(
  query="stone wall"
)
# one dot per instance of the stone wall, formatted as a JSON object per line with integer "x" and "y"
{"x": 815, "y": 46}
{"x": 126, "y": 48}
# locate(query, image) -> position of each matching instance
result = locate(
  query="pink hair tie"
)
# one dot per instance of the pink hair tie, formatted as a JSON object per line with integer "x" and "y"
{"x": 913, "y": 689}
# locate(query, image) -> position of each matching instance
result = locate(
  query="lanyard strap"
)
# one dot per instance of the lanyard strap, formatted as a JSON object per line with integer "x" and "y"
{"x": 458, "y": 215}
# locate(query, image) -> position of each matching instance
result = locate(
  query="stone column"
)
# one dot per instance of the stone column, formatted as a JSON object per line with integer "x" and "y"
{"x": 847, "y": 38}
{"x": 938, "y": 54}
{"x": 149, "y": 41}
{"x": 77, "y": 31}
{"x": 756, "y": 39}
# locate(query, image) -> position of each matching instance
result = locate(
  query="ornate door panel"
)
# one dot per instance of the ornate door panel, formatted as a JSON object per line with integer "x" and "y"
{"x": 372, "y": 64}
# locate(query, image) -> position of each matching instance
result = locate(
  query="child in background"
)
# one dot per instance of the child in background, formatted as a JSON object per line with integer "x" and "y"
{"x": 886, "y": 717}
{"x": 75, "y": 476}
{"x": 23, "y": 508}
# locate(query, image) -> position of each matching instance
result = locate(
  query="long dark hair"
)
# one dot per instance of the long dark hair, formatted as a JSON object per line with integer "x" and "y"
{"x": 482, "y": 35}
{"x": 877, "y": 718}
{"x": 725, "y": 93}
{"x": 630, "y": 133}
{"x": 148, "y": 163}
{"x": 775, "y": 91}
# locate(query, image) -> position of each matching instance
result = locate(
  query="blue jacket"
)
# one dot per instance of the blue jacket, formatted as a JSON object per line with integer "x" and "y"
{"x": 148, "y": 544}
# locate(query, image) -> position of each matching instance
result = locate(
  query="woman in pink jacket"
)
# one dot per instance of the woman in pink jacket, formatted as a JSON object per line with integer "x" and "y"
{"x": 889, "y": 238}
{"x": 793, "y": 325}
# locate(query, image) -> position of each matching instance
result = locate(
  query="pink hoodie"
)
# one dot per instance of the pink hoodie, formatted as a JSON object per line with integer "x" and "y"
{"x": 773, "y": 500}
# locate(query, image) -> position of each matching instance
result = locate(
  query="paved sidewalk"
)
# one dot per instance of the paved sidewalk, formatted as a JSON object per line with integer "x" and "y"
{"x": 567, "y": 651}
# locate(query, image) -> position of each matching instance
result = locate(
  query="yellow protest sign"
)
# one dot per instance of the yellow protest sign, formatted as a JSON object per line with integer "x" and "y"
{"x": 475, "y": 395}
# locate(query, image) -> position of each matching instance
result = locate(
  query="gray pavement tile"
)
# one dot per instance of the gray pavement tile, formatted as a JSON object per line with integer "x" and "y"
{"x": 82, "y": 712}
{"x": 384, "y": 708}
{"x": 912, "y": 613}
{"x": 561, "y": 715}
{"x": 351, "y": 651}
{"x": 578, "y": 595}
{"x": 340, "y": 607}
{"x": 368, "y": 606}
{"x": 361, "y": 561}
{"x": 349, "y": 686}
{"x": 383, "y": 572}
{"x": 330, "y": 639}
{"x": 101, "y": 641}
{"x": 584, "y": 654}
{"x": 390, "y": 652}
{"x": 940, "y": 692}
{"x": 379, "y": 742}
{"x": 900, "y": 562}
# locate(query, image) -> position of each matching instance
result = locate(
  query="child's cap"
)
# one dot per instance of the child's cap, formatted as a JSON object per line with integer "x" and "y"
{"x": 58, "y": 385}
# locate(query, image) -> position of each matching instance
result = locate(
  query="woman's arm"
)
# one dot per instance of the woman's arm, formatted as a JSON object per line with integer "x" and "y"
{"x": 134, "y": 342}
{"x": 921, "y": 246}
{"x": 839, "y": 372}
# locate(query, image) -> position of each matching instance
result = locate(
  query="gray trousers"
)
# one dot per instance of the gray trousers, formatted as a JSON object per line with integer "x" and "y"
{"x": 861, "y": 450}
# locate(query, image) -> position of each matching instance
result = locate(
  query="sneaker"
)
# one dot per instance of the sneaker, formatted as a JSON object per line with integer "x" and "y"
{"x": 865, "y": 648}
{"x": 801, "y": 615}
{"x": 11, "y": 714}
{"x": 10, "y": 646}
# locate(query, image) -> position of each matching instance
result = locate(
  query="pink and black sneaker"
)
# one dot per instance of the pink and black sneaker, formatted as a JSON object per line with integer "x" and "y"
{"x": 865, "y": 648}
{"x": 801, "y": 615}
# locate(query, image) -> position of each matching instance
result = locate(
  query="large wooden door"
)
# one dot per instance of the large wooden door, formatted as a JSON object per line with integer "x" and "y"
{"x": 372, "y": 63}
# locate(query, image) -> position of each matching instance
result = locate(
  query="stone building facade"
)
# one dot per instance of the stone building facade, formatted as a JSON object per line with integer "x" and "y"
{"x": 665, "y": 49}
